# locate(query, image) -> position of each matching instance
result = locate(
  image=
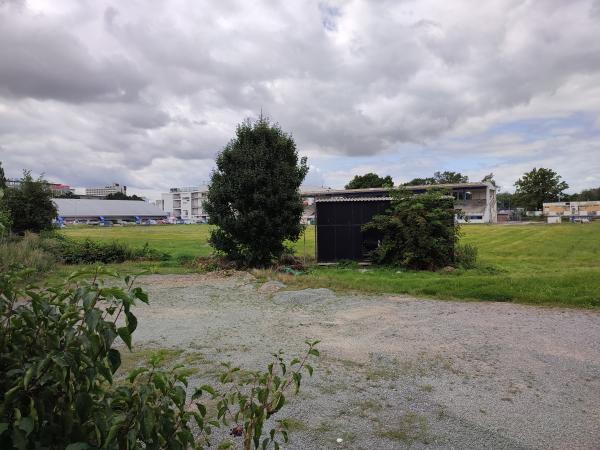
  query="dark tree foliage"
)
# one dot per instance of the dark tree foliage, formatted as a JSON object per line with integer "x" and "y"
{"x": 586, "y": 195}
{"x": 370, "y": 180}
{"x": 506, "y": 200}
{"x": 440, "y": 178}
{"x": 67, "y": 194}
{"x": 122, "y": 196}
{"x": 489, "y": 178}
{"x": 2, "y": 177}
{"x": 539, "y": 186}
{"x": 253, "y": 197}
{"x": 418, "y": 231}
{"x": 30, "y": 205}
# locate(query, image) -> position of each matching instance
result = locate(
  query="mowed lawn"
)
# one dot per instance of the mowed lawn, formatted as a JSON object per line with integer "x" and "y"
{"x": 176, "y": 240}
{"x": 534, "y": 264}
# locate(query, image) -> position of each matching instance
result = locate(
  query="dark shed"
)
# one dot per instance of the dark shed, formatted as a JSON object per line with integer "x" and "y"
{"x": 339, "y": 222}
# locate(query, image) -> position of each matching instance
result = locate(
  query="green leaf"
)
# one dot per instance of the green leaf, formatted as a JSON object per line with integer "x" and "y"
{"x": 135, "y": 373}
{"x": 26, "y": 424}
{"x": 3, "y": 427}
{"x": 114, "y": 358}
{"x": 131, "y": 321}
{"x": 28, "y": 376}
{"x": 77, "y": 446}
{"x": 309, "y": 368}
{"x": 314, "y": 352}
{"x": 125, "y": 335}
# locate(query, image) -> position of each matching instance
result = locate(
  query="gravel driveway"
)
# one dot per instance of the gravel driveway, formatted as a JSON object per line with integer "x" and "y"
{"x": 395, "y": 372}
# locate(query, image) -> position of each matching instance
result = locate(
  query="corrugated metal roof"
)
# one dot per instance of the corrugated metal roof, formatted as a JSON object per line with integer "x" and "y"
{"x": 74, "y": 207}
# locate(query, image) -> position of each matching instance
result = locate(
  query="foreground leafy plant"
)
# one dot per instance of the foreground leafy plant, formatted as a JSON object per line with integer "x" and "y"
{"x": 57, "y": 361}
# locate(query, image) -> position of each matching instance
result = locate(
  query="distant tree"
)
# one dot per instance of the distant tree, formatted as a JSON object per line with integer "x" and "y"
{"x": 450, "y": 178}
{"x": 506, "y": 200}
{"x": 489, "y": 178}
{"x": 123, "y": 196}
{"x": 539, "y": 186}
{"x": 586, "y": 195}
{"x": 253, "y": 196}
{"x": 30, "y": 205}
{"x": 67, "y": 194}
{"x": 2, "y": 177}
{"x": 420, "y": 181}
{"x": 370, "y": 180}
{"x": 440, "y": 178}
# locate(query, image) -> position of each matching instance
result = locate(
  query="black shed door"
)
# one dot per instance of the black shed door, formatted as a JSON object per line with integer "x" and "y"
{"x": 339, "y": 234}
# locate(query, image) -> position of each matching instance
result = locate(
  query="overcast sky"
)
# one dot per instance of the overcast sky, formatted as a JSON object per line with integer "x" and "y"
{"x": 145, "y": 93}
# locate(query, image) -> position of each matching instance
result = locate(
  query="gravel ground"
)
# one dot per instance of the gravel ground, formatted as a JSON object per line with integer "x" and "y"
{"x": 395, "y": 371}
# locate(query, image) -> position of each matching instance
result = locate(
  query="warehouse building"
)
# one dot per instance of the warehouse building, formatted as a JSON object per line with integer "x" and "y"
{"x": 84, "y": 210}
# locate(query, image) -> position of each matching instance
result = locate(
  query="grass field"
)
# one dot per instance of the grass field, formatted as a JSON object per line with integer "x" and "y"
{"x": 534, "y": 264}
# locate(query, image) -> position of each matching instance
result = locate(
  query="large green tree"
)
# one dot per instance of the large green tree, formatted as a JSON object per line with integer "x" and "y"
{"x": 445, "y": 177}
{"x": 30, "y": 205}
{"x": 539, "y": 186}
{"x": 370, "y": 180}
{"x": 254, "y": 197}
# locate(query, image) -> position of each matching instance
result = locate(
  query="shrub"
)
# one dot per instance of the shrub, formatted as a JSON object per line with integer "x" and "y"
{"x": 417, "y": 232}
{"x": 30, "y": 205}
{"x": 27, "y": 251}
{"x": 57, "y": 361}
{"x": 466, "y": 256}
{"x": 70, "y": 251}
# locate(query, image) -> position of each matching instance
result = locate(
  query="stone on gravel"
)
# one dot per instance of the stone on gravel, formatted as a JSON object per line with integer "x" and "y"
{"x": 271, "y": 286}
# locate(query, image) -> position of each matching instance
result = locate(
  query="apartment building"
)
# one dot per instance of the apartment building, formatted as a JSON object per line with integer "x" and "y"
{"x": 185, "y": 203}
{"x": 106, "y": 190}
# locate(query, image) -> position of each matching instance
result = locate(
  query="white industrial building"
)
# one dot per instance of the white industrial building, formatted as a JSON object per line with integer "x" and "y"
{"x": 71, "y": 209}
{"x": 106, "y": 190}
{"x": 185, "y": 203}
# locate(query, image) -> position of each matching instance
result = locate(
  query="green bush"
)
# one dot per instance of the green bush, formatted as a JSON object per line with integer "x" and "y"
{"x": 70, "y": 251}
{"x": 27, "y": 251}
{"x": 57, "y": 361}
{"x": 466, "y": 256}
{"x": 417, "y": 232}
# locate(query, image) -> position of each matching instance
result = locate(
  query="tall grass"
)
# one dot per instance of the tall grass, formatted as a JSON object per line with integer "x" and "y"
{"x": 27, "y": 252}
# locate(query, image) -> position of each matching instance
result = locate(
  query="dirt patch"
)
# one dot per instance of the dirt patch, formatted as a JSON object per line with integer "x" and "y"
{"x": 395, "y": 372}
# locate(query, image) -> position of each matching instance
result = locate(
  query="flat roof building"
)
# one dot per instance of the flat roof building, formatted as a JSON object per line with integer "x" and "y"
{"x": 70, "y": 209}
{"x": 477, "y": 201}
{"x": 588, "y": 210}
{"x": 185, "y": 203}
{"x": 106, "y": 190}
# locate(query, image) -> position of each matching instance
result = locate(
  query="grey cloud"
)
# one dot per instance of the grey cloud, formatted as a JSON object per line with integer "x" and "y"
{"x": 123, "y": 85}
{"x": 44, "y": 61}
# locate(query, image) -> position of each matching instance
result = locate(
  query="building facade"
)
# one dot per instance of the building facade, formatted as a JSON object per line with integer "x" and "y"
{"x": 185, "y": 203}
{"x": 106, "y": 190}
{"x": 476, "y": 201}
{"x": 574, "y": 211}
